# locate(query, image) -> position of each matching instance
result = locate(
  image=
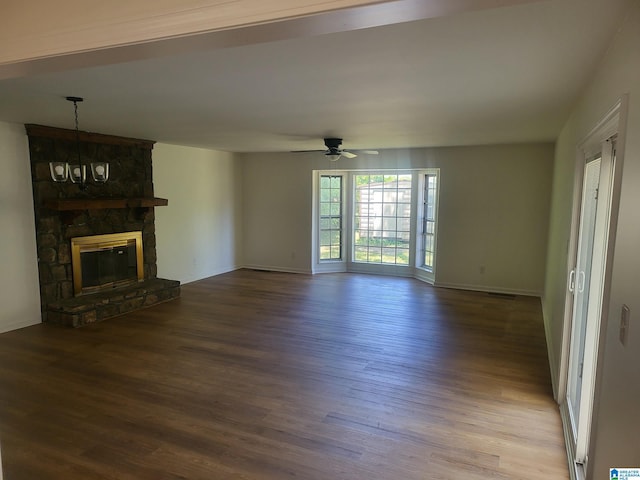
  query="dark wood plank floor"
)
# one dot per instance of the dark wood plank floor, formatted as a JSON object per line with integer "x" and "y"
{"x": 257, "y": 375}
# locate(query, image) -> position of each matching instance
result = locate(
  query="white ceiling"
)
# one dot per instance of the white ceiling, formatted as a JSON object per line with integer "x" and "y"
{"x": 502, "y": 75}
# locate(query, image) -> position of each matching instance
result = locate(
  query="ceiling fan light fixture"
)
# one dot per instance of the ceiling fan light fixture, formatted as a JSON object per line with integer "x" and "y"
{"x": 334, "y": 152}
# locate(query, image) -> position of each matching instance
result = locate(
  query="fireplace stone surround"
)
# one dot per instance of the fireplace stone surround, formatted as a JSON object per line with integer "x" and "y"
{"x": 63, "y": 211}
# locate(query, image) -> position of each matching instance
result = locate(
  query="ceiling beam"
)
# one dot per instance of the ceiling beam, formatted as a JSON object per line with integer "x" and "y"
{"x": 87, "y": 43}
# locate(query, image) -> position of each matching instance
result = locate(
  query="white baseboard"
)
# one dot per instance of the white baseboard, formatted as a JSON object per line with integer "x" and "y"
{"x": 16, "y": 325}
{"x": 490, "y": 289}
{"x": 272, "y": 268}
{"x": 210, "y": 274}
{"x": 551, "y": 358}
{"x": 401, "y": 273}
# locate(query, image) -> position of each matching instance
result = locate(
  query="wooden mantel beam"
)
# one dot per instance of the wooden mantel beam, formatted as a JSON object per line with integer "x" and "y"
{"x": 67, "y": 204}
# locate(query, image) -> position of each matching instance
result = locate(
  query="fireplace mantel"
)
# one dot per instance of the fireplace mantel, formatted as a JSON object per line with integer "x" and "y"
{"x": 67, "y": 204}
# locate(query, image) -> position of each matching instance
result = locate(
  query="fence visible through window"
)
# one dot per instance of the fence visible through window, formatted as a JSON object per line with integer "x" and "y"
{"x": 382, "y": 218}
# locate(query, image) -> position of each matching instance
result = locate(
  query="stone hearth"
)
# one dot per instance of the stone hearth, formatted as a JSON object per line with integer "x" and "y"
{"x": 99, "y": 306}
{"x": 63, "y": 211}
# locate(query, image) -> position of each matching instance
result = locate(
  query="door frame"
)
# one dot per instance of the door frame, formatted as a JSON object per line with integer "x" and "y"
{"x": 612, "y": 124}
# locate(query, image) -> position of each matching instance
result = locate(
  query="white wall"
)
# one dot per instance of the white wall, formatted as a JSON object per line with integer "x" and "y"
{"x": 277, "y": 210}
{"x": 19, "y": 287}
{"x": 617, "y": 416}
{"x": 494, "y": 211}
{"x": 199, "y": 233}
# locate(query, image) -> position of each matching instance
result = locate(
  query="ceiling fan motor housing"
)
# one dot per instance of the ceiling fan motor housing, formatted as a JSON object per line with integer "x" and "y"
{"x": 333, "y": 145}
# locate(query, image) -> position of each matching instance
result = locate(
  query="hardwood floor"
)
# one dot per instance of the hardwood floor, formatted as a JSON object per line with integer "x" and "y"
{"x": 258, "y": 375}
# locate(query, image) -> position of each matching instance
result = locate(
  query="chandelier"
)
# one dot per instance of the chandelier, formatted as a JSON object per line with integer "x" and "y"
{"x": 77, "y": 172}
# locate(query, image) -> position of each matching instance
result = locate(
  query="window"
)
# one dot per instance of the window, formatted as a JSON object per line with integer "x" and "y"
{"x": 429, "y": 220}
{"x": 382, "y": 218}
{"x": 376, "y": 221}
{"x": 331, "y": 217}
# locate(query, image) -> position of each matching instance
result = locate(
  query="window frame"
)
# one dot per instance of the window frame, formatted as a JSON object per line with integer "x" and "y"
{"x": 328, "y": 265}
{"x": 425, "y": 272}
{"x": 414, "y": 268}
{"x": 330, "y": 217}
{"x": 382, "y": 192}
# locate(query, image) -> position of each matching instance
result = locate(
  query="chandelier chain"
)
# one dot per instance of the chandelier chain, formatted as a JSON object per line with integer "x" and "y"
{"x": 83, "y": 184}
{"x": 75, "y": 108}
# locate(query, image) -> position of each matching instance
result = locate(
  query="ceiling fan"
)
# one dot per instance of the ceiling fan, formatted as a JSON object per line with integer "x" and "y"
{"x": 334, "y": 152}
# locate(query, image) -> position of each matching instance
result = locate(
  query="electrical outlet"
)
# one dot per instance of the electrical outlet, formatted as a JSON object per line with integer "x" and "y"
{"x": 624, "y": 324}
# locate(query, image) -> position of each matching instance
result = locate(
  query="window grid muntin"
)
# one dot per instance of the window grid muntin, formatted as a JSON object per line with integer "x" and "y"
{"x": 429, "y": 220}
{"x": 382, "y": 208}
{"x": 331, "y": 218}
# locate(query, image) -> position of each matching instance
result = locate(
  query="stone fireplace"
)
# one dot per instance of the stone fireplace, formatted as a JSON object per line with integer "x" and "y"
{"x": 96, "y": 247}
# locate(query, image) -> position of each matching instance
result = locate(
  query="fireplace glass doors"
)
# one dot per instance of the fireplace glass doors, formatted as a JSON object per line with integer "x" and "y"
{"x": 106, "y": 261}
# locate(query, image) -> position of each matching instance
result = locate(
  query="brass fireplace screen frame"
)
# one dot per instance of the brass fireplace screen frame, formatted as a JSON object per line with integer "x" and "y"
{"x": 99, "y": 242}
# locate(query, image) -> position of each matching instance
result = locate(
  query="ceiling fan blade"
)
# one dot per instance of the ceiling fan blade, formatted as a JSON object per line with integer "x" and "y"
{"x": 307, "y": 151}
{"x": 369, "y": 152}
{"x": 346, "y": 154}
